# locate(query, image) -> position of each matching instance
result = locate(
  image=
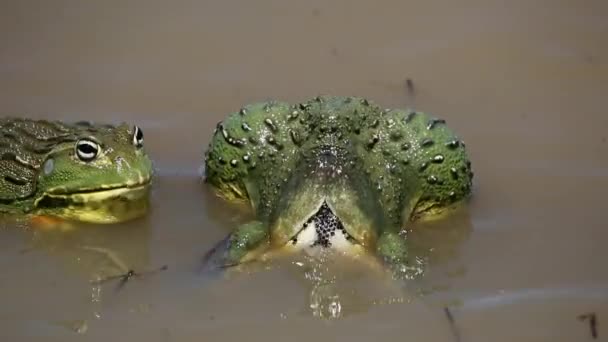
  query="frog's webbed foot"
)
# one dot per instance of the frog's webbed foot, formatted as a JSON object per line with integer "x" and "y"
{"x": 392, "y": 250}
{"x": 236, "y": 247}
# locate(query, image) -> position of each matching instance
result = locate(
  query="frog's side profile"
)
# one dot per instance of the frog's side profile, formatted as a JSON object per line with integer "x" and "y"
{"x": 333, "y": 172}
{"x": 80, "y": 171}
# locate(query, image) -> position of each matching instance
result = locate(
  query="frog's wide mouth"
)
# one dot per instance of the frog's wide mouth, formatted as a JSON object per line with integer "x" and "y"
{"x": 129, "y": 190}
{"x": 140, "y": 181}
{"x": 323, "y": 229}
{"x": 103, "y": 206}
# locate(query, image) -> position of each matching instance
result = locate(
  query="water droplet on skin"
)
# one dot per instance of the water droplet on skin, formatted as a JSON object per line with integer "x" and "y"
{"x": 437, "y": 159}
{"x": 49, "y": 166}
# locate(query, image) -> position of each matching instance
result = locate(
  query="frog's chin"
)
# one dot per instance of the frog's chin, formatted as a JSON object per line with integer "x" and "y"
{"x": 323, "y": 231}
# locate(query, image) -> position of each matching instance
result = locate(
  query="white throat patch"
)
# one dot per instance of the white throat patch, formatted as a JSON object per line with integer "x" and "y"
{"x": 323, "y": 230}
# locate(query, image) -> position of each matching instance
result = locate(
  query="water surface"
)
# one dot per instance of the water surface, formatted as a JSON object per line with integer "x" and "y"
{"x": 524, "y": 83}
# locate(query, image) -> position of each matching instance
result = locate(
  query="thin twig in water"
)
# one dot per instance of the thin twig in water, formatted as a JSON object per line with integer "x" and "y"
{"x": 453, "y": 327}
{"x": 409, "y": 84}
{"x": 592, "y": 317}
{"x": 410, "y": 93}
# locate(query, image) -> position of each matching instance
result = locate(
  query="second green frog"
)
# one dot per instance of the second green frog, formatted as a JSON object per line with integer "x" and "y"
{"x": 81, "y": 171}
{"x": 335, "y": 173}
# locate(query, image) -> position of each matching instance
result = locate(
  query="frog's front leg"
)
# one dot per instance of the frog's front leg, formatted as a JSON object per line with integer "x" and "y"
{"x": 392, "y": 249}
{"x": 237, "y": 247}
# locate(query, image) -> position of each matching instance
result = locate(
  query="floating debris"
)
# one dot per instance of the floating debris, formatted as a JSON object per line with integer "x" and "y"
{"x": 125, "y": 277}
{"x": 592, "y": 318}
{"x": 453, "y": 327}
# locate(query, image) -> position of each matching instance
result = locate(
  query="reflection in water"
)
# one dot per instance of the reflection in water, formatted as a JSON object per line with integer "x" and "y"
{"x": 97, "y": 252}
{"x": 434, "y": 252}
{"x": 338, "y": 285}
{"x": 504, "y": 298}
{"x": 224, "y": 213}
{"x": 440, "y": 240}
{"x": 324, "y": 300}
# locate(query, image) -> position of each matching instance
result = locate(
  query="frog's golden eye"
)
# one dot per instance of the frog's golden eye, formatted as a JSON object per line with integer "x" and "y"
{"x": 87, "y": 150}
{"x": 138, "y": 137}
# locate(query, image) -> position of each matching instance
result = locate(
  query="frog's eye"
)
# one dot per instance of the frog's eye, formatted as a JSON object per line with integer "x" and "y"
{"x": 87, "y": 150}
{"x": 138, "y": 137}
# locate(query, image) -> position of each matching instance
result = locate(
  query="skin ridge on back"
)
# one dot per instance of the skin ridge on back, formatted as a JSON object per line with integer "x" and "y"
{"x": 415, "y": 162}
{"x": 34, "y": 140}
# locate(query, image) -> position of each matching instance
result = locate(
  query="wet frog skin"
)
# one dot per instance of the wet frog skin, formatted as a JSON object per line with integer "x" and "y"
{"x": 81, "y": 171}
{"x": 333, "y": 172}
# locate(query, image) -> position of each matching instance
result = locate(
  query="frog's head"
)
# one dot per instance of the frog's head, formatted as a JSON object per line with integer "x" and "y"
{"x": 328, "y": 202}
{"x": 96, "y": 166}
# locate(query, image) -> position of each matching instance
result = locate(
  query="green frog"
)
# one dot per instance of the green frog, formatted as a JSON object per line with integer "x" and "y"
{"x": 337, "y": 173}
{"x": 73, "y": 171}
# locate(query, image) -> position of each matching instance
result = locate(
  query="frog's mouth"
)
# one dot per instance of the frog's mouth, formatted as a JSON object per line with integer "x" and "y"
{"x": 99, "y": 193}
{"x": 323, "y": 230}
{"x": 103, "y": 205}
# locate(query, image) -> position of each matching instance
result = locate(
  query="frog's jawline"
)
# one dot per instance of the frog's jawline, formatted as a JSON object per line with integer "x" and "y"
{"x": 141, "y": 181}
{"x": 323, "y": 229}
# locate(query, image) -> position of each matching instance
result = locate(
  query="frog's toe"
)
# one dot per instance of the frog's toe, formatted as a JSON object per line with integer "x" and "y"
{"x": 235, "y": 248}
{"x": 392, "y": 249}
{"x": 217, "y": 259}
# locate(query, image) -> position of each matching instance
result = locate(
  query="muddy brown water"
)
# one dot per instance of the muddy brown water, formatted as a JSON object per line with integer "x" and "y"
{"x": 524, "y": 83}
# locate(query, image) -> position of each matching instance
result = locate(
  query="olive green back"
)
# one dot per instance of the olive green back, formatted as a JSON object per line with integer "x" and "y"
{"x": 414, "y": 162}
{"x": 23, "y": 147}
{"x": 254, "y": 150}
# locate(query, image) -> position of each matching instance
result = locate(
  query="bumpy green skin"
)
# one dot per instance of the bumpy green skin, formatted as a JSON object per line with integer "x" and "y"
{"x": 398, "y": 166}
{"x": 41, "y": 173}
